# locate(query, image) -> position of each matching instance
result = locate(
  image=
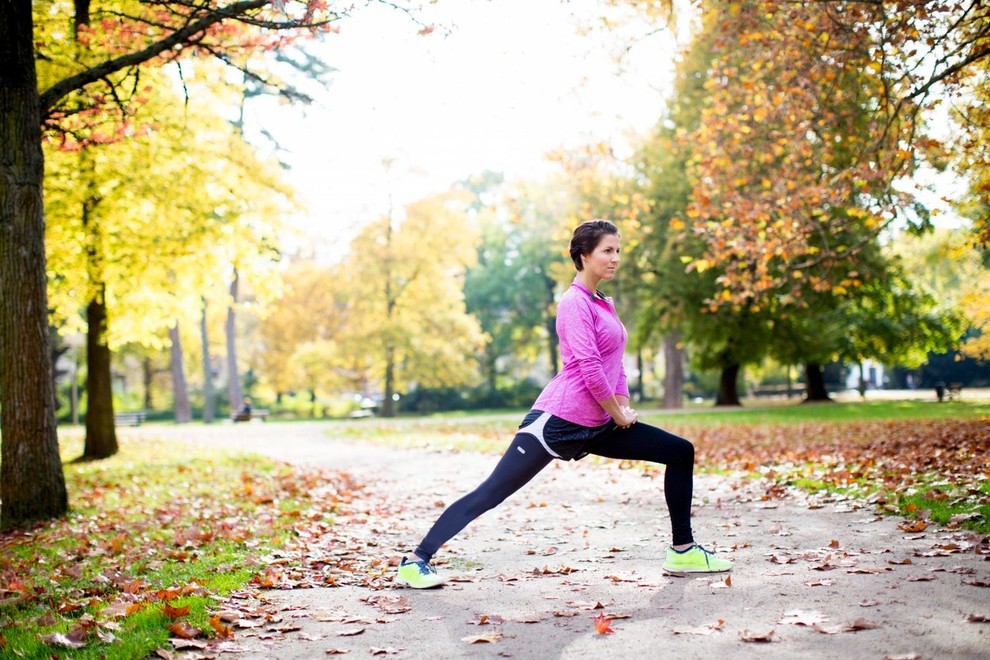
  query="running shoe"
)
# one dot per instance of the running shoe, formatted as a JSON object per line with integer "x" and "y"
{"x": 694, "y": 560}
{"x": 418, "y": 574}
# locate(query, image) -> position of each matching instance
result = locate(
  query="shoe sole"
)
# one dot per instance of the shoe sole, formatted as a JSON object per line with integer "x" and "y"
{"x": 702, "y": 572}
{"x": 402, "y": 582}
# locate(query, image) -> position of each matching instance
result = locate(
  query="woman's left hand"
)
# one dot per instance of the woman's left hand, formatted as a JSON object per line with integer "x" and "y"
{"x": 630, "y": 417}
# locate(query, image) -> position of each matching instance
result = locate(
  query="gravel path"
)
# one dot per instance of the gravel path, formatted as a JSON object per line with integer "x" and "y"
{"x": 814, "y": 578}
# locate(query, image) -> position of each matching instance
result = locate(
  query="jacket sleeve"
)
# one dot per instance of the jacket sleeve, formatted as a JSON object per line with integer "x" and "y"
{"x": 576, "y": 329}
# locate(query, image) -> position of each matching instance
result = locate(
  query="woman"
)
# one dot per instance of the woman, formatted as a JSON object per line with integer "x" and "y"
{"x": 583, "y": 410}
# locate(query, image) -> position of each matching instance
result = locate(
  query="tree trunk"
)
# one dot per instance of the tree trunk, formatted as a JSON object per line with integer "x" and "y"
{"x": 673, "y": 379}
{"x": 388, "y": 405}
{"x": 728, "y": 393}
{"x": 814, "y": 379}
{"x": 148, "y": 380}
{"x": 209, "y": 405}
{"x": 32, "y": 484}
{"x": 233, "y": 377}
{"x": 551, "y": 325}
{"x": 101, "y": 435}
{"x": 57, "y": 352}
{"x": 180, "y": 391}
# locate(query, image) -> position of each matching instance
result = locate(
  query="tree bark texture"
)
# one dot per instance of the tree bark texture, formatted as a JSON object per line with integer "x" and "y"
{"x": 101, "y": 434}
{"x": 673, "y": 378}
{"x": 181, "y": 407}
{"x": 728, "y": 391}
{"x": 32, "y": 484}
{"x": 233, "y": 377}
{"x": 814, "y": 379}
{"x": 209, "y": 404}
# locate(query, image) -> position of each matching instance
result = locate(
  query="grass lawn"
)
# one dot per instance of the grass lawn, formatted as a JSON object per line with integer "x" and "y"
{"x": 157, "y": 536}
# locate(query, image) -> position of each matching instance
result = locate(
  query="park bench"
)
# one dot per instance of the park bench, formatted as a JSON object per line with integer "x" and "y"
{"x": 133, "y": 418}
{"x": 260, "y": 413}
{"x": 954, "y": 391}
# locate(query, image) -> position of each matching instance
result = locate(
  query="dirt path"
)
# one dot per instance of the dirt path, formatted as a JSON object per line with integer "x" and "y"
{"x": 819, "y": 579}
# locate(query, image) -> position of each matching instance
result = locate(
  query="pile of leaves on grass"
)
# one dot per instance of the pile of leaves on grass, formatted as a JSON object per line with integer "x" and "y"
{"x": 158, "y": 537}
{"x": 903, "y": 466}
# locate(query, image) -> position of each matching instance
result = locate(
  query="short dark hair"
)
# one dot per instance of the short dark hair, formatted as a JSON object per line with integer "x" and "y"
{"x": 586, "y": 238}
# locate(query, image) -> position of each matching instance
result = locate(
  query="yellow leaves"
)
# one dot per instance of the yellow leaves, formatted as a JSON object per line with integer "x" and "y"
{"x": 700, "y": 265}
{"x": 677, "y": 224}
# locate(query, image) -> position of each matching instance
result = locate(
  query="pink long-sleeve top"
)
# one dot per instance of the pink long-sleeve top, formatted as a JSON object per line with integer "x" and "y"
{"x": 592, "y": 343}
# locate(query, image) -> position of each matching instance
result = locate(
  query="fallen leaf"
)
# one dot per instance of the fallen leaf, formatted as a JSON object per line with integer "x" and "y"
{"x": 337, "y": 651}
{"x": 862, "y": 624}
{"x": 701, "y": 630}
{"x": 977, "y": 618}
{"x": 827, "y": 582}
{"x": 490, "y": 638}
{"x": 63, "y": 640}
{"x": 175, "y": 612}
{"x": 759, "y": 637}
{"x": 376, "y": 650}
{"x": 223, "y": 632}
{"x": 183, "y": 630}
{"x": 603, "y": 625}
{"x": 350, "y": 632}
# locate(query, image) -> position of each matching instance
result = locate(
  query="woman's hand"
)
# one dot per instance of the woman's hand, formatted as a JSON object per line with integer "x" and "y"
{"x": 626, "y": 418}
{"x": 620, "y": 412}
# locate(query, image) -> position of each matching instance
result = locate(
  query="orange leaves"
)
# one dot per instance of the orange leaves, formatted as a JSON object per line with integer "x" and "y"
{"x": 175, "y": 612}
{"x": 603, "y": 625}
{"x": 183, "y": 630}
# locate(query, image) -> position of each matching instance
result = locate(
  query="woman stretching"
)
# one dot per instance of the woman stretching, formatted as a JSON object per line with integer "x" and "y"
{"x": 583, "y": 410}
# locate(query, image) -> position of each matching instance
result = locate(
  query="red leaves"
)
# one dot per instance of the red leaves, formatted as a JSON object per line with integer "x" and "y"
{"x": 603, "y": 625}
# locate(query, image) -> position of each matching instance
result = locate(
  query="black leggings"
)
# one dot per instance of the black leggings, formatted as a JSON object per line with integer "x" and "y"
{"x": 525, "y": 457}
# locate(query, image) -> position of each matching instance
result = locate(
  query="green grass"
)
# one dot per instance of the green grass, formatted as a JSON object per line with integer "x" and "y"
{"x": 799, "y": 413}
{"x": 158, "y": 524}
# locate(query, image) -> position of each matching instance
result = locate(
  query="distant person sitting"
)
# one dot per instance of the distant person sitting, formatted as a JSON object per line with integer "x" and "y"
{"x": 244, "y": 412}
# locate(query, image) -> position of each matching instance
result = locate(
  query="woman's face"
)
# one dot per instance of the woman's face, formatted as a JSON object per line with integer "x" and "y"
{"x": 604, "y": 259}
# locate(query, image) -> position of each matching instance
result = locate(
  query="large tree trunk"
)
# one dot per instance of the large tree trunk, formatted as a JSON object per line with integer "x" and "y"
{"x": 180, "y": 391}
{"x": 233, "y": 377}
{"x": 814, "y": 379}
{"x": 101, "y": 435}
{"x": 32, "y": 484}
{"x": 209, "y": 405}
{"x": 673, "y": 379}
{"x": 728, "y": 392}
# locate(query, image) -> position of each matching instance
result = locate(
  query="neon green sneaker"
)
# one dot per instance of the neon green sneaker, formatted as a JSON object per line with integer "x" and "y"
{"x": 694, "y": 560}
{"x": 418, "y": 574}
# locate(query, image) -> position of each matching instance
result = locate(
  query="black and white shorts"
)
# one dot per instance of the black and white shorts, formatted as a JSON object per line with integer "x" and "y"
{"x": 561, "y": 438}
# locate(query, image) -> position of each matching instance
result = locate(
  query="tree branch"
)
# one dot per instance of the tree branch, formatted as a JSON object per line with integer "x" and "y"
{"x": 182, "y": 36}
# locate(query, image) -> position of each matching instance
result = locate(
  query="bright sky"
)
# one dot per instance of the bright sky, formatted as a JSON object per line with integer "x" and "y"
{"x": 511, "y": 80}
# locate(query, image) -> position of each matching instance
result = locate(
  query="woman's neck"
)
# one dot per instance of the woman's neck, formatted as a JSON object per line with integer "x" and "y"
{"x": 589, "y": 281}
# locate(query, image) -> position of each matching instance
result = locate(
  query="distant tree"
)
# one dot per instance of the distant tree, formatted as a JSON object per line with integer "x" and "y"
{"x": 404, "y": 283}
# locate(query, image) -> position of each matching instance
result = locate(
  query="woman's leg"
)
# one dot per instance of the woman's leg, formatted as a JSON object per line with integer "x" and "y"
{"x": 642, "y": 442}
{"x": 522, "y": 461}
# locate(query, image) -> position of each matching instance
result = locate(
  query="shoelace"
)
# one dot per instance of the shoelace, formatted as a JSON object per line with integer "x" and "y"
{"x": 424, "y": 567}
